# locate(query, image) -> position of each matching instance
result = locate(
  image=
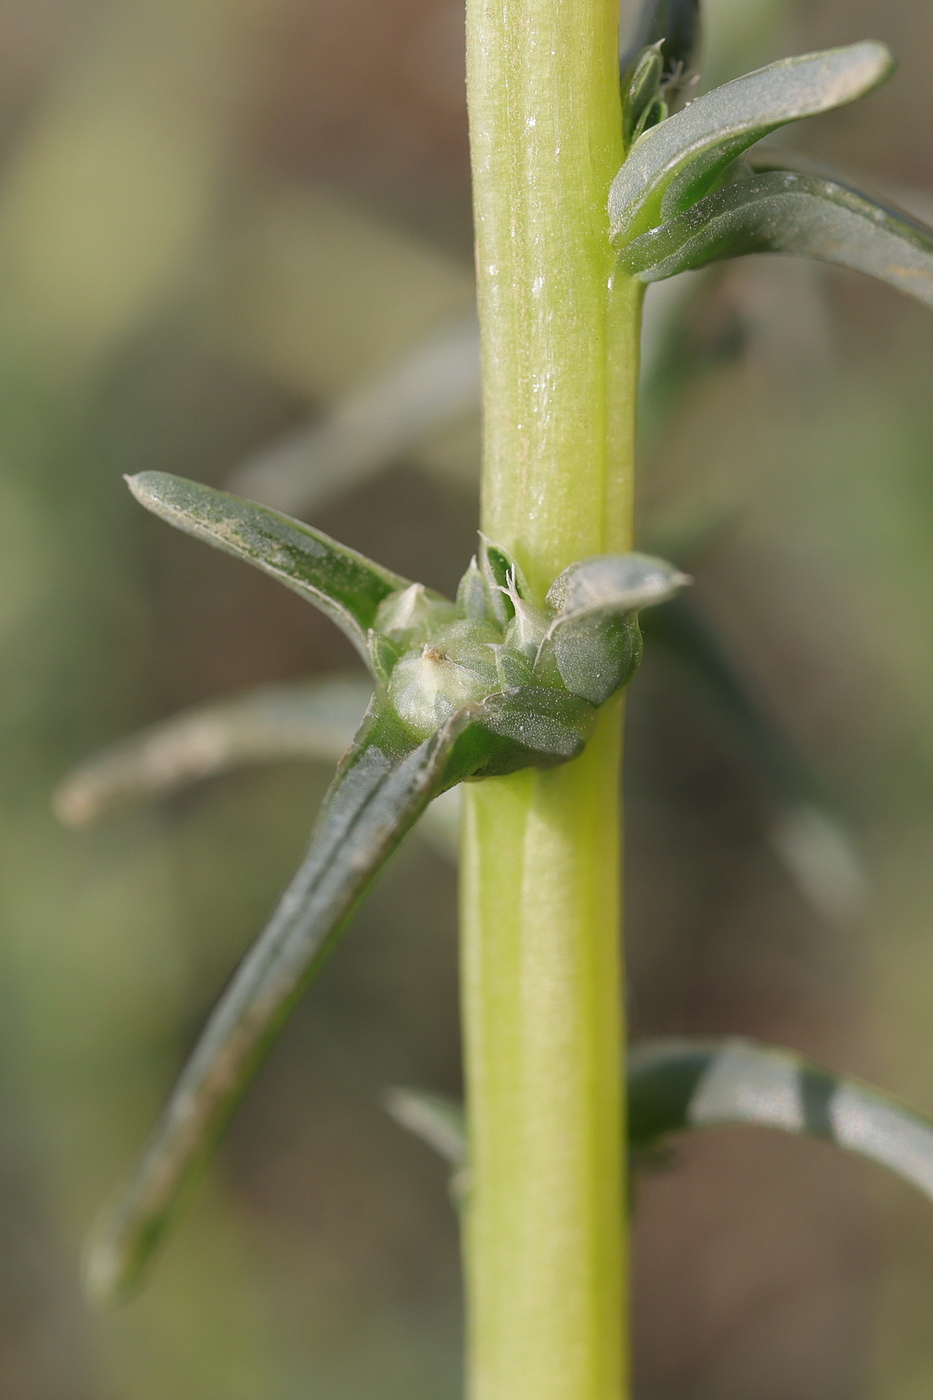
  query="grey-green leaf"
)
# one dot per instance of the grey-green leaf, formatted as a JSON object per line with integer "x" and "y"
{"x": 678, "y": 161}
{"x": 594, "y": 644}
{"x": 675, "y": 1086}
{"x": 381, "y": 789}
{"x": 309, "y": 719}
{"x": 342, "y": 583}
{"x": 780, "y": 210}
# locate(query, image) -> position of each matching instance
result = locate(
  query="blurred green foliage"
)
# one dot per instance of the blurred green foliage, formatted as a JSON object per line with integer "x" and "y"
{"x": 217, "y": 218}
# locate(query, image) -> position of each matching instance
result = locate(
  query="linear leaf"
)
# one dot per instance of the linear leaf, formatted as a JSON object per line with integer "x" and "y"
{"x": 380, "y": 789}
{"x": 777, "y": 210}
{"x": 675, "y": 1086}
{"x": 676, "y": 162}
{"x": 311, "y": 719}
{"x": 383, "y": 785}
{"x": 342, "y": 583}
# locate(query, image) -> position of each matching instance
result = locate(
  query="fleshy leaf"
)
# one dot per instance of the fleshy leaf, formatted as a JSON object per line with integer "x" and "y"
{"x": 594, "y": 643}
{"x": 681, "y": 159}
{"x": 312, "y": 719}
{"x": 780, "y": 210}
{"x": 342, "y": 583}
{"x": 675, "y": 1086}
{"x": 381, "y": 788}
{"x": 641, "y": 100}
{"x": 674, "y": 26}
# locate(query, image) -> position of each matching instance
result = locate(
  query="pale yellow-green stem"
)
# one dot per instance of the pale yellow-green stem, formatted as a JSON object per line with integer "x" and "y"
{"x": 544, "y": 1218}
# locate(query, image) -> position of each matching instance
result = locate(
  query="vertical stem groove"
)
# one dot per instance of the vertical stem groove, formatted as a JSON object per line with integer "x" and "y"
{"x": 544, "y": 1222}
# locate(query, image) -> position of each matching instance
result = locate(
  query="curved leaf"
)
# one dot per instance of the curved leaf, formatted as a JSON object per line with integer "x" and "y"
{"x": 311, "y": 719}
{"x": 438, "y": 1121}
{"x": 594, "y": 643}
{"x": 679, "y": 160}
{"x": 678, "y": 1085}
{"x": 672, "y": 24}
{"x": 342, "y": 583}
{"x": 778, "y": 210}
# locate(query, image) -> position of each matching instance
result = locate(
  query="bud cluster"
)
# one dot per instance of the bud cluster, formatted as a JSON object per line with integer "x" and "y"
{"x": 435, "y": 656}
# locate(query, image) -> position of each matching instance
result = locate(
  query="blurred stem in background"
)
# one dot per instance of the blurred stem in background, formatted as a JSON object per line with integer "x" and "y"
{"x": 540, "y": 904}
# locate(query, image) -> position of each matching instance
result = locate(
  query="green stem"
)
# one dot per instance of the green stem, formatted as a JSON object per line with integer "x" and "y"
{"x": 544, "y": 1225}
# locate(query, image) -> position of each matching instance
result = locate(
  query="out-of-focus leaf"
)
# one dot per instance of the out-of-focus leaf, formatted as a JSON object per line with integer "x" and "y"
{"x": 677, "y": 162}
{"x": 309, "y": 720}
{"x": 435, "y": 384}
{"x": 438, "y": 1121}
{"x": 815, "y": 849}
{"x": 680, "y": 1085}
{"x": 675, "y": 1086}
{"x": 342, "y": 583}
{"x": 779, "y": 210}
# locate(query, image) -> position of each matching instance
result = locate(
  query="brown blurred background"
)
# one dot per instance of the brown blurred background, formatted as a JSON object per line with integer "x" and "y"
{"x": 218, "y": 218}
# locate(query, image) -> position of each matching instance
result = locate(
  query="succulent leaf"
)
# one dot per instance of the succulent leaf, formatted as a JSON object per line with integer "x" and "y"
{"x": 680, "y": 160}
{"x": 342, "y": 583}
{"x": 641, "y": 94}
{"x": 594, "y": 643}
{"x": 671, "y": 25}
{"x": 781, "y": 210}
{"x": 383, "y": 785}
{"x": 381, "y": 788}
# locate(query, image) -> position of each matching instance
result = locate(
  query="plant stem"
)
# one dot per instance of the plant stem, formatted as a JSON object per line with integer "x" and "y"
{"x": 544, "y": 1223}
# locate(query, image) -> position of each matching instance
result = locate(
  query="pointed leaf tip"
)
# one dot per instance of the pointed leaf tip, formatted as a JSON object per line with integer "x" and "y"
{"x": 343, "y": 584}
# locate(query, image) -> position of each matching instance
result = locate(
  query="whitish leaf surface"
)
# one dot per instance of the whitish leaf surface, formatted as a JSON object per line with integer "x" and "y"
{"x": 778, "y": 210}
{"x": 309, "y": 720}
{"x": 342, "y": 583}
{"x": 436, "y": 1120}
{"x": 437, "y": 383}
{"x": 675, "y": 163}
{"x": 675, "y": 1086}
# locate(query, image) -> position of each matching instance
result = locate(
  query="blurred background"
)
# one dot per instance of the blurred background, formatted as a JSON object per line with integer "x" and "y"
{"x": 235, "y": 243}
